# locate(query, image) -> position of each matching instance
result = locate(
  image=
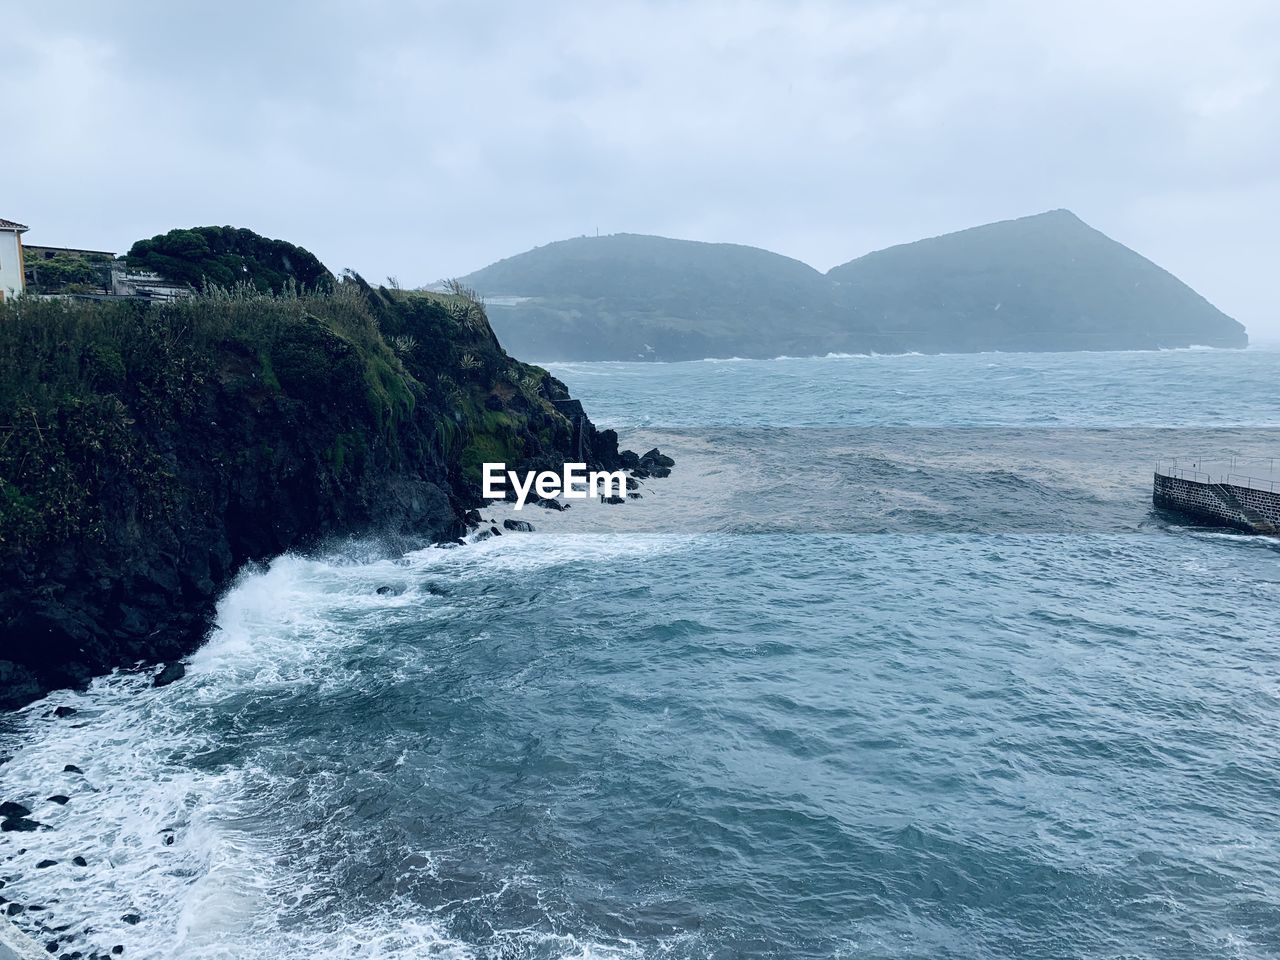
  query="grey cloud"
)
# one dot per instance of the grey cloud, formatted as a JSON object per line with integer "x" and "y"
{"x": 427, "y": 139}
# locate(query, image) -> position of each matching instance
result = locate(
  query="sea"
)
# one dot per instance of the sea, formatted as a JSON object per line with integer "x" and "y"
{"x": 899, "y": 662}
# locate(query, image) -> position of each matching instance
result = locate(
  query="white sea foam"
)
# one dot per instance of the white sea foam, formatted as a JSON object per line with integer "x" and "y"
{"x": 180, "y": 837}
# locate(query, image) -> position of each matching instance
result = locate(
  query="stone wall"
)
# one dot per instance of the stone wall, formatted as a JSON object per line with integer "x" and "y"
{"x": 1208, "y": 503}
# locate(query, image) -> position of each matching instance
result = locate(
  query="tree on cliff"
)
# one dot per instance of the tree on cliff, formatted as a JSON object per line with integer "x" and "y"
{"x": 226, "y": 256}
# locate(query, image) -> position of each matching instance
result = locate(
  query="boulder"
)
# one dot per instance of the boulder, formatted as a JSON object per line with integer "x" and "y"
{"x": 520, "y": 526}
{"x": 171, "y": 673}
{"x": 552, "y": 505}
{"x": 64, "y": 712}
{"x": 133, "y": 919}
{"x": 71, "y": 768}
{"x": 629, "y": 459}
{"x": 80, "y": 861}
{"x": 11, "y": 809}
{"x": 44, "y": 864}
{"x": 615, "y": 500}
{"x": 60, "y": 799}
{"x": 656, "y": 457}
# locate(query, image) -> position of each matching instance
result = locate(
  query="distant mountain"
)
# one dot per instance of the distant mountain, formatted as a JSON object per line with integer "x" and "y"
{"x": 627, "y": 296}
{"x": 1047, "y": 282}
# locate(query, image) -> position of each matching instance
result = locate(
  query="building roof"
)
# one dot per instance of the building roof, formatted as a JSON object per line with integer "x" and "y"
{"x": 10, "y": 225}
{"x": 36, "y": 248}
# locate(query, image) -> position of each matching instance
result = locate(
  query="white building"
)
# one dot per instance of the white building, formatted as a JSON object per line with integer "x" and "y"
{"x": 11, "y": 283}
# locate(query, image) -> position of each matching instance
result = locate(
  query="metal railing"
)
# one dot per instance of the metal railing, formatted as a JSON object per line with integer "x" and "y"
{"x": 1209, "y": 471}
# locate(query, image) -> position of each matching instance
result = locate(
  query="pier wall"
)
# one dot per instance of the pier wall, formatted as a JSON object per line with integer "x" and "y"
{"x": 1254, "y": 511}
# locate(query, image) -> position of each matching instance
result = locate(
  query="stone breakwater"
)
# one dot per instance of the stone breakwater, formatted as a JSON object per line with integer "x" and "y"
{"x": 1239, "y": 507}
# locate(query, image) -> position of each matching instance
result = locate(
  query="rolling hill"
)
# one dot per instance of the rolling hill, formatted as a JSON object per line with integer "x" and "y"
{"x": 1046, "y": 282}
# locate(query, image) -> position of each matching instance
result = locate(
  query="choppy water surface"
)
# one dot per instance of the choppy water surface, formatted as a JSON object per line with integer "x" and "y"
{"x": 969, "y": 698}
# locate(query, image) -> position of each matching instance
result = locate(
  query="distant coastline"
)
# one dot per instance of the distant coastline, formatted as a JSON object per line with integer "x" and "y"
{"x": 1045, "y": 283}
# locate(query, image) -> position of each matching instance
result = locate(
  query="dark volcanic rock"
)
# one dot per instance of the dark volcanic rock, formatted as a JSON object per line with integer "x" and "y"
{"x": 60, "y": 799}
{"x": 22, "y": 683}
{"x": 44, "y": 864}
{"x": 552, "y": 505}
{"x": 656, "y": 457}
{"x": 133, "y": 919}
{"x": 64, "y": 712}
{"x": 71, "y": 768}
{"x": 80, "y": 861}
{"x": 615, "y": 500}
{"x": 172, "y": 673}
{"x": 520, "y": 526}
{"x": 11, "y": 809}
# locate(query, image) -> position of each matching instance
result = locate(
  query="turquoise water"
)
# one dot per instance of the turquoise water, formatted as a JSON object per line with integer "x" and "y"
{"x": 899, "y": 663}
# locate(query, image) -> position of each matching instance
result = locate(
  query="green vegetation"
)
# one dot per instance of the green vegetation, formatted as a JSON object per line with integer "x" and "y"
{"x": 69, "y": 273}
{"x": 105, "y": 406}
{"x": 227, "y": 256}
{"x": 1047, "y": 282}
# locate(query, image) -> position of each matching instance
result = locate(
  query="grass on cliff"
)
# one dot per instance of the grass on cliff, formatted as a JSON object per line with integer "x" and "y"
{"x": 89, "y": 389}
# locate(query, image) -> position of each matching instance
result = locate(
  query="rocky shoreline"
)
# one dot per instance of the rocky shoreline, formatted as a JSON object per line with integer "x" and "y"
{"x": 188, "y": 440}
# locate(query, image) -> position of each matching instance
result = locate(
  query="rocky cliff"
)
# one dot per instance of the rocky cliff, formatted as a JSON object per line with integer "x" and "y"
{"x": 147, "y": 452}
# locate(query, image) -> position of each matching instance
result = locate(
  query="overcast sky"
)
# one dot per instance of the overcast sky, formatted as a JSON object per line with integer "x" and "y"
{"x": 424, "y": 140}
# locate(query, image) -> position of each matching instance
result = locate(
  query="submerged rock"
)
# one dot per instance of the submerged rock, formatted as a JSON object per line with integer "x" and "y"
{"x": 615, "y": 499}
{"x": 519, "y": 526}
{"x": 11, "y": 809}
{"x": 80, "y": 861}
{"x": 71, "y": 768}
{"x": 552, "y": 505}
{"x": 171, "y": 673}
{"x": 45, "y": 864}
{"x": 60, "y": 799}
{"x": 64, "y": 712}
